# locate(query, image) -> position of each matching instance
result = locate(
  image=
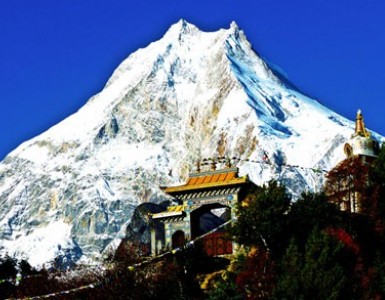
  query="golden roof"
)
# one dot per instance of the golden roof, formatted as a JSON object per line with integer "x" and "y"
{"x": 172, "y": 211}
{"x": 210, "y": 179}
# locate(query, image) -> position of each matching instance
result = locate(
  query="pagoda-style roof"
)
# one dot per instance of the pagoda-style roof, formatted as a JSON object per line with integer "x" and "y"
{"x": 208, "y": 180}
{"x": 171, "y": 212}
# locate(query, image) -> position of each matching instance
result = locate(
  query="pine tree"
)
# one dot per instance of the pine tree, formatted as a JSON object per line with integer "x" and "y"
{"x": 262, "y": 217}
{"x": 318, "y": 273}
{"x": 289, "y": 284}
{"x": 310, "y": 212}
{"x": 376, "y": 203}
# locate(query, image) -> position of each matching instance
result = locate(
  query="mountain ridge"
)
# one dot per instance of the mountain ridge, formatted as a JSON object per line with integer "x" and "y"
{"x": 182, "y": 98}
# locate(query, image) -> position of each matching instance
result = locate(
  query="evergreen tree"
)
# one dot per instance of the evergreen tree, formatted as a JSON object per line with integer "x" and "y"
{"x": 376, "y": 203}
{"x": 262, "y": 217}
{"x": 310, "y": 212}
{"x": 377, "y": 174}
{"x": 318, "y": 273}
{"x": 377, "y": 284}
{"x": 8, "y": 267}
{"x": 289, "y": 283}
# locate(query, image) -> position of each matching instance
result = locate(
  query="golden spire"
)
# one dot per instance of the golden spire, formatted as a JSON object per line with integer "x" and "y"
{"x": 360, "y": 125}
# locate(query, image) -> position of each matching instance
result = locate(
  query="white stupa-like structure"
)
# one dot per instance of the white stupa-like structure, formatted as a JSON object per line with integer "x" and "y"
{"x": 361, "y": 143}
{"x": 346, "y": 180}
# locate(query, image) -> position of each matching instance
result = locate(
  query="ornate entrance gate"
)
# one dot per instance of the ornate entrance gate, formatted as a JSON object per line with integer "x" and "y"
{"x": 203, "y": 192}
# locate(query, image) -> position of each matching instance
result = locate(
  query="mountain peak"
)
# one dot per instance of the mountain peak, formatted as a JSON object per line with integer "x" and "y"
{"x": 234, "y": 26}
{"x": 189, "y": 96}
{"x": 182, "y": 27}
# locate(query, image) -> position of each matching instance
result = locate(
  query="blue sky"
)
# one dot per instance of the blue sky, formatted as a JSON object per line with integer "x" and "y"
{"x": 54, "y": 55}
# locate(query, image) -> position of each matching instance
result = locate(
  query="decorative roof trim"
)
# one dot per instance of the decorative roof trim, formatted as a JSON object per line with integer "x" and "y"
{"x": 186, "y": 187}
{"x": 213, "y": 172}
{"x": 168, "y": 214}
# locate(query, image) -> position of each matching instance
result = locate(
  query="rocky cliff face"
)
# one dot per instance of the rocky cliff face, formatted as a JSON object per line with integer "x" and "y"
{"x": 72, "y": 190}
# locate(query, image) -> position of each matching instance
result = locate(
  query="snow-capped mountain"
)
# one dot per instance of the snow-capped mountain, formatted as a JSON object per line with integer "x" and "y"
{"x": 71, "y": 191}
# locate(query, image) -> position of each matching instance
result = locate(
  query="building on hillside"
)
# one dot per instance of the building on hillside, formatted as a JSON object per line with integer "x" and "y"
{"x": 347, "y": 181}
{"x": 203, "y": 203}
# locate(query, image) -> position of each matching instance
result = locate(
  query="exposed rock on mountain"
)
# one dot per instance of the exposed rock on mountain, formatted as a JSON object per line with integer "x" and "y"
{"x": 188, "y": 96}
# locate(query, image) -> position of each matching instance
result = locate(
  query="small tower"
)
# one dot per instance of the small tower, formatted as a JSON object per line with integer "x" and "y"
{"x": 349, "y": 177}
{"x": 361, "y": 144}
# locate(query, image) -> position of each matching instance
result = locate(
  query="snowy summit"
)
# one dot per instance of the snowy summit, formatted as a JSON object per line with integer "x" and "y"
{"x": 71, "y": 191}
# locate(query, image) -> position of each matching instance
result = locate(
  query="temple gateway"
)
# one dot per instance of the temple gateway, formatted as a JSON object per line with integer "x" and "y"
{"x": 204, "y": 202}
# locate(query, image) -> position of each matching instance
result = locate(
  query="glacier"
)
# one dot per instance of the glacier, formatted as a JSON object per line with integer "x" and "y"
{"x": 188, "y": 96}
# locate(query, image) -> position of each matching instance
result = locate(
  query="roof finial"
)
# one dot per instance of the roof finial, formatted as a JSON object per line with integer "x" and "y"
{"x": 360, "y": 125}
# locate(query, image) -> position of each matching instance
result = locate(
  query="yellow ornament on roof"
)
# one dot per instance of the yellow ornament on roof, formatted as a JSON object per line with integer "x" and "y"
{"x": 360, "y": 125}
